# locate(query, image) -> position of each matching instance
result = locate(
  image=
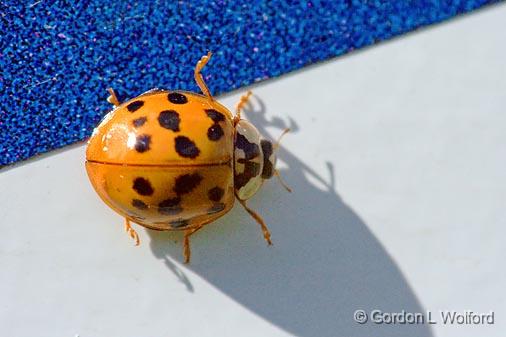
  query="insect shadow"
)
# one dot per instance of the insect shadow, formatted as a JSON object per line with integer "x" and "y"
{"x": 324, "y": 263}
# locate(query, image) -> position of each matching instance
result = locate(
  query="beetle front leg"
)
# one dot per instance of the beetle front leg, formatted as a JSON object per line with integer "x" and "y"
{"x": 240, "y": 105}
{"x": 261, "y": 222}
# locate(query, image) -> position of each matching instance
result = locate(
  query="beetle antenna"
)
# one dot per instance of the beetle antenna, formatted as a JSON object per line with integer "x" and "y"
{"x": 276, "y": 172}
{"x": 276, "y": 145}
{"x": 281, "y": 181}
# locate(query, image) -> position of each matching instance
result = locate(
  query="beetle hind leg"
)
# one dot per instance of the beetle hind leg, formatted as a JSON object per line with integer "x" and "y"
{"x": 133, "y": 234}
{"x": 113, "y": 99}
{"x": 261, "y": 222}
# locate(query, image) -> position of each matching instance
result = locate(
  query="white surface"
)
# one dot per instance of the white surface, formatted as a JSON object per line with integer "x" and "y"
{"x": 398, "y": 166}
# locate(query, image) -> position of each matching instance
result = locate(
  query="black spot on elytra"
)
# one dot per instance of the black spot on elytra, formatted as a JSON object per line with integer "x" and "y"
{"x": 142, "y": 143}
{"x": 169, "y": 119}
{"x": 142, "y": 186}
{"x": 170, "y": 206}
{"x": 216, "y": 208}
{"x": 215, "y": 193}
{"x": 177, "y": 98}
{"x": 251, "y": 150}
{"x": 134, "y": 106}
{"x": 267, "y": 150}
{"x": 216, "y": 116}
{"x": 251, "y": 170}
{"x": 139, "y": 121}
{"x": 185, "y": 147}
{"x": 186, "y": 183}
{"x": 179, "y": 223}
{"x": 215, "y": 132}
{"x": 139, "y": 204}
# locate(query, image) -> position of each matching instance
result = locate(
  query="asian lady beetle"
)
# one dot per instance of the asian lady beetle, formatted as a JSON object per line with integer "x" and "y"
{"x": 175, "y": 160}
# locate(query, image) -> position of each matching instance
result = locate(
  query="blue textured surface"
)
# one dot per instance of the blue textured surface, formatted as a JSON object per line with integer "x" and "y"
{"x": 58, "y": 58}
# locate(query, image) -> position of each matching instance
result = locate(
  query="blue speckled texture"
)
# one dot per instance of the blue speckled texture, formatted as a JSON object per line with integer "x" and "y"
{"x": 58, "y": 57}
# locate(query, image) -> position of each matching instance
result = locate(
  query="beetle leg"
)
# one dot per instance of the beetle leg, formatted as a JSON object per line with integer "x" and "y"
{"x": 258, "y": 218}
{"x": 113, "y": 99}
{"x": 186, "y": 247}
{"x": 186, "y": 242}
{"x": 242, "y": 102}
{"x": 198, "y": 76}
{"x": 133, "y": 234}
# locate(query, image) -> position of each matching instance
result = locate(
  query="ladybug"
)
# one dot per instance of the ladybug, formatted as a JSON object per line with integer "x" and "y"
{"x": 177, "y": 160}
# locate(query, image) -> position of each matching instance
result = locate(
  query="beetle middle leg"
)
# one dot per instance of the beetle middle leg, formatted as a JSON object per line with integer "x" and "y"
{"x": 186, "y": 242}
{"x": 198, "y": 76}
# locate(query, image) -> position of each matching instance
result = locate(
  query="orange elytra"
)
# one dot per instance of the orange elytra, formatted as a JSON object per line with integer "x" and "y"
{"x": 177, "y": 160}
